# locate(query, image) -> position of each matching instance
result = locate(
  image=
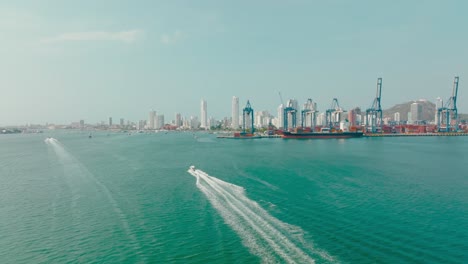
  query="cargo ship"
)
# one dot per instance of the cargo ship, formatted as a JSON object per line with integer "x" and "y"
{"x": 241, "y": 135}
{"x": 324, "y": 133}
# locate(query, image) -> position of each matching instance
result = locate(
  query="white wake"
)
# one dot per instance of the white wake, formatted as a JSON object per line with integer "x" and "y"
{"x": 264, "y": 235}
{"x": 76, "y": 170}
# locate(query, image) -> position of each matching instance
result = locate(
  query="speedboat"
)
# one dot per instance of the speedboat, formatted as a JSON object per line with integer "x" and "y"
{"x": 192, "y": 168}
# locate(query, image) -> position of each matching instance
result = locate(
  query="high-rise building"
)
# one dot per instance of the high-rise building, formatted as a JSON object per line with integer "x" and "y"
{"x": 178, "y": 120}
{"x": 235, "y": 112}
{"x": 280, "y": 116}
{"x": 160, "y": 122}
{"x": 416, "y": 112}
{"x": 352, "y": 117}
{"x": 204, "y": 115}
{"x": 152, "y": 119}
{"x": 396, "y": 117}
{"x": 110, "y": 121}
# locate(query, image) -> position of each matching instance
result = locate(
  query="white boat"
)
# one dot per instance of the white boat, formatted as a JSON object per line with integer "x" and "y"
{"x": 192, "y": 168}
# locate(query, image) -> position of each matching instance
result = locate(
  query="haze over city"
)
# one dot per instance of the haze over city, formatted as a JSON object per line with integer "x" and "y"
{"x": 67, "y": 61}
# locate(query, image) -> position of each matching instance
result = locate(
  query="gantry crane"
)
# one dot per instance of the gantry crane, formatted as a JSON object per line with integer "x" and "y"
{"x": 333, "y": 114}
{"x": 309, "y": 113}
{"x": 248, "y": 112}
{"x": 374, "y": 113}
{"x": 449, "y": 110}
{"x": 289, "y": 109}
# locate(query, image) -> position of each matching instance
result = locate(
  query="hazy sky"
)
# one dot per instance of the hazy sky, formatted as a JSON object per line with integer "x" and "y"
{"x": 61, "y": 61}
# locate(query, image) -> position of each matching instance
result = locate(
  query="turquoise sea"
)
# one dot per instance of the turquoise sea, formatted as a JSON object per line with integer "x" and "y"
{"x": 119, "y": 198}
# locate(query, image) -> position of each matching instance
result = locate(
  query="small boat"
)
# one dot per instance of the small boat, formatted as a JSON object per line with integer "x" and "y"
{"x": 192, "y": 168}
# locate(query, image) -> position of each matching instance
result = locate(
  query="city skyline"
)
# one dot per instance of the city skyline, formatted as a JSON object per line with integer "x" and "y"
{"x": 68, "y": 61}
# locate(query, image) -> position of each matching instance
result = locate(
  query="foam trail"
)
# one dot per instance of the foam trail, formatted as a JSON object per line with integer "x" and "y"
{"x": 74, "y": 167}
{"x": 265, "y": 236}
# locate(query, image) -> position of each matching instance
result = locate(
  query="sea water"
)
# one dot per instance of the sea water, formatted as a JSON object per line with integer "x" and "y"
{"x": 129, "y": 199}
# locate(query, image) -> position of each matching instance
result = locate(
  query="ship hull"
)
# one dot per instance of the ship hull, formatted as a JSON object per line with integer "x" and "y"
{"x": 317, "y": 135}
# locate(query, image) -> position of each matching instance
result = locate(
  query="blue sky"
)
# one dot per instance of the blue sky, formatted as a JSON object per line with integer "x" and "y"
{"x": 62, "y": 61}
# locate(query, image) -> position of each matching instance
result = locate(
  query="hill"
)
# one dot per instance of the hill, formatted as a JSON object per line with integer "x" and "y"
{"x": 428, "y": 109}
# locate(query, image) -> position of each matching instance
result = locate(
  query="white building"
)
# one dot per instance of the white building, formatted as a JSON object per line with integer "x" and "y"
{"x": 396, "y": 117}
{"x": 280, "y": 116}
{"x": 416, "y": 112}
{"x": 178, "y": 120}
{"x": 151, "y": 120}
{"x": 235, "y": 112}
{"x": 204, "y": 115}
{"x": 160, "y": 122}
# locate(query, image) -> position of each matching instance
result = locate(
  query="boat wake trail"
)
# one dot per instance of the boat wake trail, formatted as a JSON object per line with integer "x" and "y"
{"x": 78, "y": 175}
{"x": 264, "y": 235}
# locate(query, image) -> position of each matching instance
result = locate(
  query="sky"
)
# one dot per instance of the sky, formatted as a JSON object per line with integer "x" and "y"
{"x": 62, "y": 61}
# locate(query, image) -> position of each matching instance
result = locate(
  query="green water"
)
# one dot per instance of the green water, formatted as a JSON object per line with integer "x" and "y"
{"x": 119, "y": 198}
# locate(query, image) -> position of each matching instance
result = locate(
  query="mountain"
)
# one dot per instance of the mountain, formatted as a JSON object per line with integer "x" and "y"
{"x": 428, "y": 108}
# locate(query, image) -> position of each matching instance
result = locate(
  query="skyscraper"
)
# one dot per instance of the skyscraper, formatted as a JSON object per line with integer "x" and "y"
{"x": 280, "y": 116}
{"x": 152, "y": 119}
{"x": 235, "y": 112}
{"x": 178, "y": 120}
{"x": 396, "y": 117}
{"x": 416, "y": 112}
{"x": 204, "y": 115}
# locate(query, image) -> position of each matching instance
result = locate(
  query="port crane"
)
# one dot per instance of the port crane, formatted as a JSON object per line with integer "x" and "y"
{"x": 333, "y": 114}
{"x": 449, "y": 110}
{"x": 288, "y": 111}
{"x": 374, "y": 113}
{"x": 248, "y": 112}
{"x": 309, "y": 113}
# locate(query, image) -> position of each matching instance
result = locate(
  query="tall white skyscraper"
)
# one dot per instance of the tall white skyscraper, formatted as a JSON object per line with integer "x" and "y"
{"x": 178, "y": 120}
{"x": 416, "y": 112}
{"x": 204, "y": 115}
{"x": 159, "y": 123}
{"x": 152, "y": 119}
{"x": 396, "y": 117}
{"x": 280, "y": 116}
{"x": 235, "y": 112}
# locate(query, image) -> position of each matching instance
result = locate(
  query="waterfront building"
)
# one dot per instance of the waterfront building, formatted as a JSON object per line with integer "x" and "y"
{"x": 160, "y": 122}
{"x": 410, "y": 119}
{"x": 352, "y": 117}
{"x": 280, "y": 116}
{"x": 178, "y": 120}
{"x": 396, "y": 117}
{"x": 416, "y": 112}
{"x": 151, "y": 119}
{"x": 235, "y": 112}
{"x": 204, "y": 115}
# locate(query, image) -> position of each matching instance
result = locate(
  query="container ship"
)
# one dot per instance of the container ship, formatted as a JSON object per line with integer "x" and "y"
{"x": 324, "y": 133}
